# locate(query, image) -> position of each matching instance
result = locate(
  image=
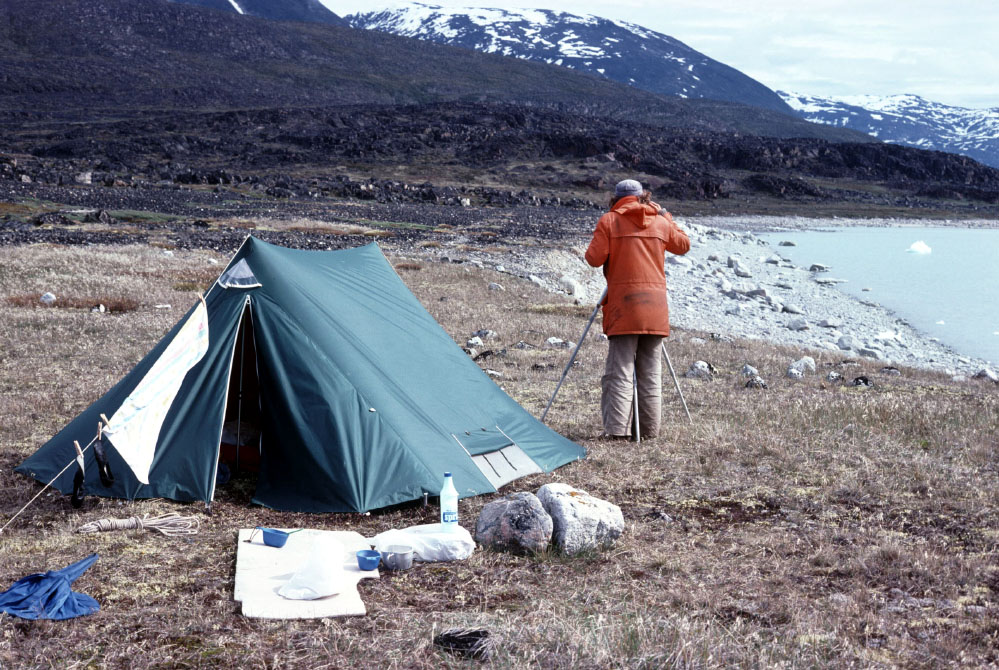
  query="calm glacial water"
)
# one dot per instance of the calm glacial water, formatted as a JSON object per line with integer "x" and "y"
{"x": 949, "y": 291}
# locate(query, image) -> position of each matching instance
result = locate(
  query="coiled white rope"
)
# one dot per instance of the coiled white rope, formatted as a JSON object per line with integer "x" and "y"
{"x": 169, "y": 524}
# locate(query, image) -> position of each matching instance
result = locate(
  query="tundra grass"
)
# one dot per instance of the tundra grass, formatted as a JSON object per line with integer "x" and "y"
{"x": 810, "y": 524}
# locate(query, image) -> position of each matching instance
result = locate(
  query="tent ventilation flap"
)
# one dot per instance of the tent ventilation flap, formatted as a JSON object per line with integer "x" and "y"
{"x": 239, "y": 276}
{"x": 497, "y": 456}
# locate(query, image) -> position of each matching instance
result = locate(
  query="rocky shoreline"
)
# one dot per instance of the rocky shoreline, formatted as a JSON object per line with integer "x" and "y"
{"x": 734, "y": 283}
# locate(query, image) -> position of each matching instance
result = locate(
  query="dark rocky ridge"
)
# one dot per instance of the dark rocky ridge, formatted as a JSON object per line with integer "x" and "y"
{"x": 475, "y": 152}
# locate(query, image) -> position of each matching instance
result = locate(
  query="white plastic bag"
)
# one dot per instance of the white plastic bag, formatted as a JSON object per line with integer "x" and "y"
{"x": 321, "y": 575}
{"x": 430, "y": 542}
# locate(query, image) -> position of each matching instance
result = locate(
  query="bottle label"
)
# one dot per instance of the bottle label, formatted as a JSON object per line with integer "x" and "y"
{"x": 449, "y": 517}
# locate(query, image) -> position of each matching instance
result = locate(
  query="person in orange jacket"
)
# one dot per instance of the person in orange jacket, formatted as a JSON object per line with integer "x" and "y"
{"x": 630, "y": 242}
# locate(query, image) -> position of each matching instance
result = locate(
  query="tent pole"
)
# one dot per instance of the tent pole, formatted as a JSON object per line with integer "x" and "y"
{"x": 239, "y": 396}
{"x": 573, "y": 357}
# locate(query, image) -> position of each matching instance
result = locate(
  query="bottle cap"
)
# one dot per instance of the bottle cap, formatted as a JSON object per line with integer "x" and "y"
{"x": 447, "y": 474}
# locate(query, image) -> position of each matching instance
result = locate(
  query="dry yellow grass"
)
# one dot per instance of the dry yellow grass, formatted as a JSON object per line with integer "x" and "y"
{"x": 807, "y": 525}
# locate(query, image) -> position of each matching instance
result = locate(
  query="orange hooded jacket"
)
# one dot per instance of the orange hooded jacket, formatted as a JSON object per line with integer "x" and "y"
{"x": 630, "y": 243}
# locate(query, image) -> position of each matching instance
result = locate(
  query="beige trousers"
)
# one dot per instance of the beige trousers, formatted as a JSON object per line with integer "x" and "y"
{"x": 630, "y": 357}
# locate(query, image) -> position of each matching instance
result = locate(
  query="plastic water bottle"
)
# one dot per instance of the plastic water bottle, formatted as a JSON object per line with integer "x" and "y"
{"x": 449, "y": 504}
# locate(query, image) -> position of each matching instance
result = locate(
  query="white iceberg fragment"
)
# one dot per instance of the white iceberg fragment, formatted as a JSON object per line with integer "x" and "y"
{"x": 919, "y": 247}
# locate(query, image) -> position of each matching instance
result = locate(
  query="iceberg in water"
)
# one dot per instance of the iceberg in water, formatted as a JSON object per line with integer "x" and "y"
{"x": 919, "y": 247}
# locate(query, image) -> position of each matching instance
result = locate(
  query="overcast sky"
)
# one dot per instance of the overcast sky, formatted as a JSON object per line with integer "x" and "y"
{"x": 945, "y": 51}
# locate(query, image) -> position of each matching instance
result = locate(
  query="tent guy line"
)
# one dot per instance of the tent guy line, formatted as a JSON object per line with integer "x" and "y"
{"x": 52, "y": 481}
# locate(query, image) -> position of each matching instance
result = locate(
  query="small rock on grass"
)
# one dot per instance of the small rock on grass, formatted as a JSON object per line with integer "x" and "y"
{"x": 570, "y": 285}
{"x": 700, "y": 370}
{"x": 989, "y": 374}
{"x": 757, "y": 382}
{"x": 804, "y": 364}
{"x": 558, "y": 343}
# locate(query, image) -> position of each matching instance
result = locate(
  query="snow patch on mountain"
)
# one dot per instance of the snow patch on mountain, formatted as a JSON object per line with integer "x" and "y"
{"x": 909, "y": 120}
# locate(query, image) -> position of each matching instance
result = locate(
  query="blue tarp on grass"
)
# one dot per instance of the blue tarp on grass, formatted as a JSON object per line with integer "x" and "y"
{"x": 47, "y": 595}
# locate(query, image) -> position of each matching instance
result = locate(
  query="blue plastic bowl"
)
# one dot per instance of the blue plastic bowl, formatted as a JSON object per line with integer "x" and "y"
{"x": 274, "y": 537}
{"x": 367, "y": 559}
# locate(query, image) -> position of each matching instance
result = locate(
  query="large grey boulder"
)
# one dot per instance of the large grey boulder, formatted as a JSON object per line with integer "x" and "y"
{"x": 581, "y": 521}
{"x": 798, "y": 323}
{"x": 517, "y": 523}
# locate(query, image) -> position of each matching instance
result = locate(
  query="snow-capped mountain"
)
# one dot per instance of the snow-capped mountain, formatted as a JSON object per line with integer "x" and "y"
{"x": 616, "y": 50}
{"x": 909, "y": 120}
{"x": 310, "y": 11}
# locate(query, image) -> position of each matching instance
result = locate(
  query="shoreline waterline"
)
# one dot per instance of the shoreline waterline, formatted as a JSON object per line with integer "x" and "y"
{"x": 943, "y": 280}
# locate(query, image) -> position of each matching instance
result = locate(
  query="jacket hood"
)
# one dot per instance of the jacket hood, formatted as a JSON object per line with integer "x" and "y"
{"x": 635, "y": 212}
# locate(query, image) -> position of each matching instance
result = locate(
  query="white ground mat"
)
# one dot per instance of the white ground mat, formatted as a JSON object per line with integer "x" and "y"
{"x": 262, "y": 570}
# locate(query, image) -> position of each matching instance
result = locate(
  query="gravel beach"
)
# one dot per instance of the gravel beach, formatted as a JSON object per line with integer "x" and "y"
{"x": 734, "y": 283}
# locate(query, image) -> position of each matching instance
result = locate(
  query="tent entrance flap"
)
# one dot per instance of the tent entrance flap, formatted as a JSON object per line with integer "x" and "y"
{"x": 241, "y": 437}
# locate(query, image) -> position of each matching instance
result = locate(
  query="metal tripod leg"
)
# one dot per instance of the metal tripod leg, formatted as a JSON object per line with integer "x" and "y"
{"x": 676, "y": 382}
{"x": 573, "y": 357}
{"x": 636, "y": 433}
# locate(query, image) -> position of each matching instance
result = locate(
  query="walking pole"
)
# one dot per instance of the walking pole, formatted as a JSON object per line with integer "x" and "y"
{"x": 676, "y": 383}
{"x": 574, "y": 352}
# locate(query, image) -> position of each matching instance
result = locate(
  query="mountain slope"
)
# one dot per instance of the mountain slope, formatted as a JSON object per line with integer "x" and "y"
{"x": 909, "y": 120}
{"x": 119, "y": 55}
{"x": 620, "y": 51}
{"x": 311, "y": 11}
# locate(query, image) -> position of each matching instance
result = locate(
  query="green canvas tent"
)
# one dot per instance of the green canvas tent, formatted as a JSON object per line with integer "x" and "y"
{"x": 356, "y": 397}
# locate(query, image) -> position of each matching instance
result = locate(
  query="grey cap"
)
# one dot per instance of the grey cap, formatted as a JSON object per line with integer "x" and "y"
{"x": 627, "y": 187}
